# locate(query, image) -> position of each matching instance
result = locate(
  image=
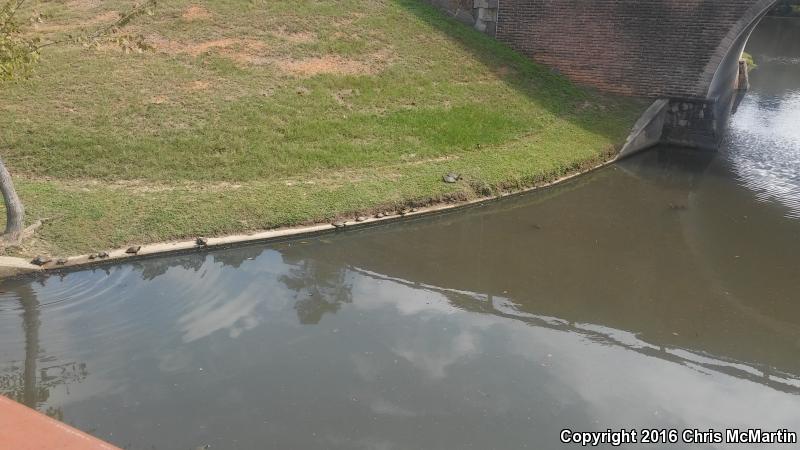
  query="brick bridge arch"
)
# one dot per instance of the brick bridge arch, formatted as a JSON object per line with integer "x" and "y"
{"x": 683, "y": 50}
{"x": 720, "y": 67}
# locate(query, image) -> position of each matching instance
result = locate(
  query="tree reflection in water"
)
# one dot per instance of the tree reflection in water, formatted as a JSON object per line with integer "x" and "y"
{"x": 320, "y": 287}
{"x": 31, "y": 384}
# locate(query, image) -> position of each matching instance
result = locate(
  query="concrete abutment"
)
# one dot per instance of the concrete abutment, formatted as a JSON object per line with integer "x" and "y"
{"x": 480, "y": 14}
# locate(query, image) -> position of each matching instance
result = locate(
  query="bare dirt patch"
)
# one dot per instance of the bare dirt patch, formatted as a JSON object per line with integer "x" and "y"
{"x": 136, "y": 186}
{"x": 83, "y": 4}
{"x": 195, "y": 12}
{"x": 343, "y": 177}
{"x": 257, "y": 52}
{"x": 105, "y": 18}
{"x": 326, "y": 64}
{"x": 245, "y": 57}
{"x": 246, "y": 51}
{"x": 295, "y": 37}
{"x": 165, "y": 45}
{"x": 196, "y": 49}
{"x": 199, "y": 85}
{"x": 334, "y": 64}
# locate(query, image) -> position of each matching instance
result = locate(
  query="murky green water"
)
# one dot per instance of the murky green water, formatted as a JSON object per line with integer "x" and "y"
{"x": 662, "y": 292}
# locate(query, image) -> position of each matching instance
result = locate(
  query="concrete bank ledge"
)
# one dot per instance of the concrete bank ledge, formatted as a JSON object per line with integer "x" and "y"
{"x": 13, "y": 267}
{"x": 22, "y": 428}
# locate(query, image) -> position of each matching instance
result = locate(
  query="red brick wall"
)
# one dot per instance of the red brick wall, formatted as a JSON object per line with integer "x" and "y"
{"x": 648, "y": 48}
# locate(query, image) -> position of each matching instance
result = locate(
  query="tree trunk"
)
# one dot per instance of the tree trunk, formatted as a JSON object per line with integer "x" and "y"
{"x": 15, "y": 213}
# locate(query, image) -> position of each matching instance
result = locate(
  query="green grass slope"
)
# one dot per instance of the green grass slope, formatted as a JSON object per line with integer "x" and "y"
{"x": 230, "y": 116}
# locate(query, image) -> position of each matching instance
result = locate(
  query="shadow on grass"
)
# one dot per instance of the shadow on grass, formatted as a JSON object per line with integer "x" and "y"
{"x": 582, "y": 106}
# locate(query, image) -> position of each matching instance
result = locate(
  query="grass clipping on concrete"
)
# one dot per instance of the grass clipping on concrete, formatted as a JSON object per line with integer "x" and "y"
{"x": 228, "y": 116}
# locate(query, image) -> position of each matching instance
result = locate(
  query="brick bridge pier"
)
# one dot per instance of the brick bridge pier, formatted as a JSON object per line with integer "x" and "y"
{"x": 683, "y": 54}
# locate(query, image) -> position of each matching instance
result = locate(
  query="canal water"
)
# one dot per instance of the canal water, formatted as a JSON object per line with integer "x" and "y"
{"x": 662, "y": 292}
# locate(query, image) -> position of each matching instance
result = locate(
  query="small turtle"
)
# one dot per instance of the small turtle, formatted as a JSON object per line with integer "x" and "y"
{"x": 61, "y": 261}
{"x": 133, "y": 250}
{"x": 93, "y": 256}
{"x": 102, "y": 255}
{"x": 413, "y": 210}
{"x": 404, "y": 211}
{"x": 339, "y": 224}
{"x": 40, "y": 260}
{"x": 201, "y": 241}
{"x": 380, "y": 215}
{"x": 451, "y": 177}
{"x": 361, "y": 219}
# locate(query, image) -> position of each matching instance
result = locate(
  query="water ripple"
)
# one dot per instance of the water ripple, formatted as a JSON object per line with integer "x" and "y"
{"x": 764, "y": 149}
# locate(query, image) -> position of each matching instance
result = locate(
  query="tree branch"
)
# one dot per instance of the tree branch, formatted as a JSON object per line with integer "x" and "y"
{"x": 102, "y": 31}
{"x": 11, "y": 13}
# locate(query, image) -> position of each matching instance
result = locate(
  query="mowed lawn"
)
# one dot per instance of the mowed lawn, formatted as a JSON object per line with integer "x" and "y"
{"x": 226, "y": 116}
